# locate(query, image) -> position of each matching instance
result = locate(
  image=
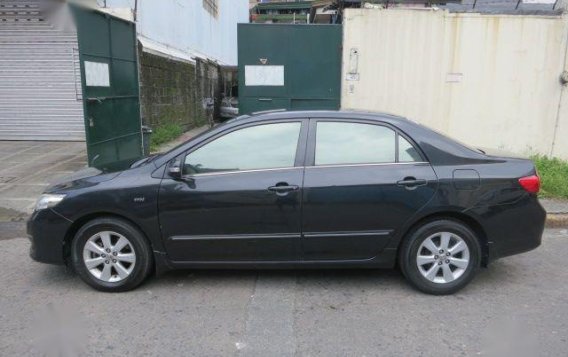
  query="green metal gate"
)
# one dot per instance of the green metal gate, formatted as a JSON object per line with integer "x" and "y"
{"x": 294, "y": 67}
{"x": 109, "y": 74}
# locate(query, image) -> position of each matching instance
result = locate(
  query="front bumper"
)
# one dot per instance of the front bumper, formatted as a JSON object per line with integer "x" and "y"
{"x": 46, "y": 231}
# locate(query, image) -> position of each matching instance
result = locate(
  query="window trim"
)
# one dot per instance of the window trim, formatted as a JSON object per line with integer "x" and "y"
{"x": 311, "y": 146}
{"x": 412, "y": 143}
{"x": 298, "y": 159}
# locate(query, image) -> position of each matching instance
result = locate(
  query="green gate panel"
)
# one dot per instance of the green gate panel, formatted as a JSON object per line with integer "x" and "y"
{"x": 112, "y": 111}
{"x": 311, "y": 59}
{"x": 260, "y": 104}
{"x": 314, "y": 104}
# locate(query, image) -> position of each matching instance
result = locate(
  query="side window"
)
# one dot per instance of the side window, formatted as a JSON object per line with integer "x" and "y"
{"x": 259, "y": 147}
{"x": 354, "y": 143}
{"x": 407, "y": 152}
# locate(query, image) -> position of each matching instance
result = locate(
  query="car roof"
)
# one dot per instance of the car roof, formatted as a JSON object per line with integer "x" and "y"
{"x": 330, "y": 114}
{"x": 437, "y": 148}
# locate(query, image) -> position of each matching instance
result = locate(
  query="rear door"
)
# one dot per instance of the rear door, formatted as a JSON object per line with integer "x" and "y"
{"x": 240, "y": 196}
{"x": 363, "y": 181}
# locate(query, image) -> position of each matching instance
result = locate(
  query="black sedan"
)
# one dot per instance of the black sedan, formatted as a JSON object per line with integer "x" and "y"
{"x": 319, "y": 189}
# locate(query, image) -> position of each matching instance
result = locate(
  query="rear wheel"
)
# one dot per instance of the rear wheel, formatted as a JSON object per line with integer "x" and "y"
{"x": 440, "y": 257}
{"x": 110, "y": 254}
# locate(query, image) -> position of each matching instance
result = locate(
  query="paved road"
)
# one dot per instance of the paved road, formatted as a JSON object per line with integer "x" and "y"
{"x": 518, "y": 307}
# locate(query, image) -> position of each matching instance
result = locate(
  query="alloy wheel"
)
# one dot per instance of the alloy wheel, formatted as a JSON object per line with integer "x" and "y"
{"x": 109, "y": 256}
{"x": 443, "y": 257}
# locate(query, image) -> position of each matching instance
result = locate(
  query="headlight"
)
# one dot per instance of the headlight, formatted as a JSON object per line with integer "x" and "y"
{"x": 48, "y": 201}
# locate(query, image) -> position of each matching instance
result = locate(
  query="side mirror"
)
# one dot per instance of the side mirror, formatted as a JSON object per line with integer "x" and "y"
{"x": 174, "y": 170}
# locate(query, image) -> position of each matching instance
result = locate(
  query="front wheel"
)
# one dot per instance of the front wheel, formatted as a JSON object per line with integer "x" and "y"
{"x": 440, "y": 257}
{"x": 111, "y": 255}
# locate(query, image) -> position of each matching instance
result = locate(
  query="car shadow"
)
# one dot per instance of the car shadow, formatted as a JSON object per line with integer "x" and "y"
{"x": 312, "y": 279}
{"x": 498, "y": 273}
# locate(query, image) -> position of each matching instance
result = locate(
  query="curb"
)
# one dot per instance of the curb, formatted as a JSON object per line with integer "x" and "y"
{"x": 557, "y": 220}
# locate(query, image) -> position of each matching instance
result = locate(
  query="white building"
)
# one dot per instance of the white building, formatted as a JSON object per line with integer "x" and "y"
{"x": 175, "y": 34}
{"x": 187, "y": 29}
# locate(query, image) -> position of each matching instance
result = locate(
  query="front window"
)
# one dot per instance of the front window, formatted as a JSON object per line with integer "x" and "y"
{"x": 258, "y": 147}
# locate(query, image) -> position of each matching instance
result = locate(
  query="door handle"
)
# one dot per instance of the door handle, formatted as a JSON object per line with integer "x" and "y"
{"x": 282, "y": 189}
{"x": 99, "y": 100}
{"x": 410, "y": 183}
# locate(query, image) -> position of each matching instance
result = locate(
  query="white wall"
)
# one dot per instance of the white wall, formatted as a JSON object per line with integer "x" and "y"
{"x": 185, "y": 26}
{"x": 488, "y": 80}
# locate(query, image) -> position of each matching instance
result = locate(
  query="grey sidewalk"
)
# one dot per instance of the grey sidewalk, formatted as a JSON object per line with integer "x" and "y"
{"x": 28, "y": 167}
{"x": 555, "y": 206}
{"x": 557, "y": 212}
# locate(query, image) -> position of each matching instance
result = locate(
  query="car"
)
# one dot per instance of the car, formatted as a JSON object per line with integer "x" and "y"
{"x": 296, "y": 190}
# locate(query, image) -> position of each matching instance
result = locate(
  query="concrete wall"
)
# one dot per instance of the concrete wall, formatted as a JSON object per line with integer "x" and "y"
{"x": 487, "y": 80}
{"x": 182, "y": 46}
{"x": 176, "y": 92}
{"x": 185, "y": 26}
{"x": 167, "y": 92}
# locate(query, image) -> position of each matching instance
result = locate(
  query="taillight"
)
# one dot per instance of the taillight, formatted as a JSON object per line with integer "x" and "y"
{"x": 531, "y": 184}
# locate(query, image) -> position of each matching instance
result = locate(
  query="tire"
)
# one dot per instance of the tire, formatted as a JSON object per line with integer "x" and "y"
{"x": 457, "y": 263}
{"x": 119, "y": 265}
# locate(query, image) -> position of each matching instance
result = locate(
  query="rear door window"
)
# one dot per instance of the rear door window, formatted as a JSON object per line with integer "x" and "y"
{"x": 344, "y": 143}
{"x": 340, "y": 143}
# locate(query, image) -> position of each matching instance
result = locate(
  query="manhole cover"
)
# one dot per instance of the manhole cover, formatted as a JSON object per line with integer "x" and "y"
{"x": 7, "y": 179}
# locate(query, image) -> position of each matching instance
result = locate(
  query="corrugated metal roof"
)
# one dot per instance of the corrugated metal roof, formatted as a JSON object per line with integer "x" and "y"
{"x": 300, "y": 5}
{"x": 503, "y": 7}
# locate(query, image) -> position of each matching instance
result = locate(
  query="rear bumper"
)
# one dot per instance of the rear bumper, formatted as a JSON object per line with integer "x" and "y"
{"x": 514, "y": 228}
{"x": 46, "y": 231}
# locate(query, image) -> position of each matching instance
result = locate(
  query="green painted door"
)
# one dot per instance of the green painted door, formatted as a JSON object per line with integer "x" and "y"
{"x": 293, "y": 67}
{"x": 109, "y": 71}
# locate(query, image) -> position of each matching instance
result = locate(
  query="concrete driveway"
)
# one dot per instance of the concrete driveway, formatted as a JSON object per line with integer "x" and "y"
{"x": 516, "y": 307}
{"x": 29, "y": 166}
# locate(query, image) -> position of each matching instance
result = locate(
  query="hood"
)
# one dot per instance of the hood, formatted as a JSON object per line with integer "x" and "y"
{"x": 86, "y": 177}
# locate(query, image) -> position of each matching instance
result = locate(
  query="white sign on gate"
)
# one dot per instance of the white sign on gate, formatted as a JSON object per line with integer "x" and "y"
{"x": 264, "y": 75}
{"x": 97, "y": 74}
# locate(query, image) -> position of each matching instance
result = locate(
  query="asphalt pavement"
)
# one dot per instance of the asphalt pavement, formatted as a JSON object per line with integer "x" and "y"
{"x": 516, "y": 307}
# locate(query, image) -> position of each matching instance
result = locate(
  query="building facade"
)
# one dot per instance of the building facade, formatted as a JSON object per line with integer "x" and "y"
{"x": 40, "y": 83}
{"x": 186, "y": 53}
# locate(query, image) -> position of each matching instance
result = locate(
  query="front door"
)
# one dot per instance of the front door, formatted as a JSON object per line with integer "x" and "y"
{"x": 363, "y": 181}
{"x": 240, "y": 197}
